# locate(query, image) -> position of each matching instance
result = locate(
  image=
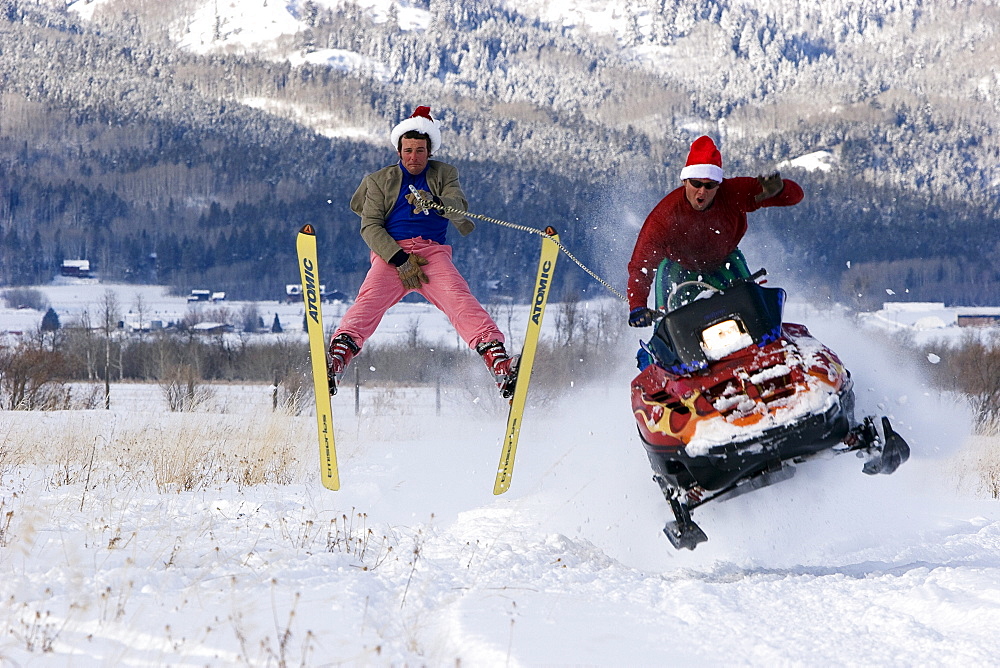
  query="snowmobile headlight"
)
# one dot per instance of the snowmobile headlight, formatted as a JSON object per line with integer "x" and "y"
{"x": 724, "y": 339}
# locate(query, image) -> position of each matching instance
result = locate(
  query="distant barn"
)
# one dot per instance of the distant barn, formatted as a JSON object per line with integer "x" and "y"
{"x": 211, "y": 328}
{"x": 75, "y": 268}
{"x": 293, "y": 292}
{"x": 979, "y": 320}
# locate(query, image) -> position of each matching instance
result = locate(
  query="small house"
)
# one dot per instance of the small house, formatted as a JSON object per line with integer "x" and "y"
{"x": 75, "y": 268}
{"x": 212, "y": 328}
{"x": 293, "y": 292}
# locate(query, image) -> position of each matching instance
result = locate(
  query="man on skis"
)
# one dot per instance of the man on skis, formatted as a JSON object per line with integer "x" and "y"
{"x": 409, "y": 253}
{"x": 694, "y": 232}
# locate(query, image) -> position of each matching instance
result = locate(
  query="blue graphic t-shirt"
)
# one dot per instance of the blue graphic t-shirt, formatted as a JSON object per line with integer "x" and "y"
{"x": 402, "y": 223}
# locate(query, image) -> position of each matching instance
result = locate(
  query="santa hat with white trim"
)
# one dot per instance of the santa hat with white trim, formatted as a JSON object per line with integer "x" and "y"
{"x": 704, "y": 161}
{"x": 420, "y": 121}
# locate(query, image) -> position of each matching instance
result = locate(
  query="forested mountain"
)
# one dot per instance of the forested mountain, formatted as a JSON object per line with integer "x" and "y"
{"x": 170, "y": 142}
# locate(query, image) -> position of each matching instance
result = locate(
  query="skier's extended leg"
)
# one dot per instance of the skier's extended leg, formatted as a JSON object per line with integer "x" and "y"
{"x": 380, "y": 290}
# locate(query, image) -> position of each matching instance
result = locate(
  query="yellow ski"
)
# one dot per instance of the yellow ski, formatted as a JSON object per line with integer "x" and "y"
{"x": 306, "y": 246}
{"x": 546, "y": 265}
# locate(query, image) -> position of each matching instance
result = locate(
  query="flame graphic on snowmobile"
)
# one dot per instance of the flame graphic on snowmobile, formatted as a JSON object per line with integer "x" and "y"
{"x": 753, "y": 386}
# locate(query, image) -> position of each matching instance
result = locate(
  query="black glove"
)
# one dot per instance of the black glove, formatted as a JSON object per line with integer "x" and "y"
{"x": 771, "y": 185}
{"x": 642, "y": 317}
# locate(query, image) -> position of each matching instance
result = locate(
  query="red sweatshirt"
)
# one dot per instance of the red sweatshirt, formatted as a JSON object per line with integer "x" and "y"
{"x": 697, "y": 240}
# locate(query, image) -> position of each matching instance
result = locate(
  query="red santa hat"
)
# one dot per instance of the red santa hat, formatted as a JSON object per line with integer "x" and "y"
{"x": 420, "y": 121}
{"x": 704, "y": 161}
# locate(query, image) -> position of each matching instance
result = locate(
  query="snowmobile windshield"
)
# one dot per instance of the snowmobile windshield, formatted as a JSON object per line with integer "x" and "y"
{"x": 689, "y": 338}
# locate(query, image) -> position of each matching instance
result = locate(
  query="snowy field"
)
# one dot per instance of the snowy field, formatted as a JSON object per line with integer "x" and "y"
{"x": 140, "y": 537}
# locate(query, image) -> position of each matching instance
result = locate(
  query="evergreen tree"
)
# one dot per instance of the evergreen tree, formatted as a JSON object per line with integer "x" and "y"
{"x": 276, "y": 325}
{"x": 50, "y": 321}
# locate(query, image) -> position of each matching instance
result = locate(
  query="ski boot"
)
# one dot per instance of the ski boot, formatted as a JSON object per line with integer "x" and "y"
{"x": 501, "y": 365}
{"x": 342, "y": 351}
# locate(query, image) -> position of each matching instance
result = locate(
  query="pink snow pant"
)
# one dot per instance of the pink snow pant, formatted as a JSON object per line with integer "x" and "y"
{"x": 446, "y": 289}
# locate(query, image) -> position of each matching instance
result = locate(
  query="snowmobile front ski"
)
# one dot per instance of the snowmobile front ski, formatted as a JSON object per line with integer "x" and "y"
{"x": 543, "y": 283}
{"x": 683, "y": 533}
{"x": 306, "y": 246}
{"x": 886, "y": 451}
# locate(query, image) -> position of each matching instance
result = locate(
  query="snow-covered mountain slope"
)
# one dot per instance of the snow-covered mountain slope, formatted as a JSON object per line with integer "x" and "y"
{"x": 748, "y": 72}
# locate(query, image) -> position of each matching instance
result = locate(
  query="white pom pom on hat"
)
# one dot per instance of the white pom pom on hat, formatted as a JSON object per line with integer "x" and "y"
{"x": 420, "y": 121}
{"x": 704, "y": 161}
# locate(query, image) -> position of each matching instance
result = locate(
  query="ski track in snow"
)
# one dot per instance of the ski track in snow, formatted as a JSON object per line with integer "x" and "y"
{"x": 569, "y": 567}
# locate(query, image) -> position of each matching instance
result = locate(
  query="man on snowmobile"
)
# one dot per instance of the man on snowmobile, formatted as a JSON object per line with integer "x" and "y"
{"x": 694, "y": 232}
{"x": 409, "y": 252}
{"x": 730, "y": 397}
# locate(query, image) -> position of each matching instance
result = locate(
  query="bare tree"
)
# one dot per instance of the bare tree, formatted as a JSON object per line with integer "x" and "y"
{"x": 971, "y": 368}
{"x": 109, "y": 317}
{"x": 30, "y": 377}
{"x": 250, "y": 320}
{"x": 25, "y": 298}
{"x": 87, "y": 342}
{"x": 139, "y": 305}
{"x": 140, "y": 311}
{"x": 568, "y": 317}
{"x": 413, "y": 331}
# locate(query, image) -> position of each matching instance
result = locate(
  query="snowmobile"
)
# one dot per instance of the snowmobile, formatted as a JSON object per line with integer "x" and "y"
{"x": 730, "y": 398}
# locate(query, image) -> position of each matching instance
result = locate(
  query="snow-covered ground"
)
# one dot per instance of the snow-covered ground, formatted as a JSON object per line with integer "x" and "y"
{"x": 928, "y": 321}
{"x": 135, "y": 537}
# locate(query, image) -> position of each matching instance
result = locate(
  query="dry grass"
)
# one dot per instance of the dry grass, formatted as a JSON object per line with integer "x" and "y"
{"x": 970, "y": 367}
{"x": 977, "y": 466}
{"x": 156, "y": 450}
{"x": 118, "y": 486}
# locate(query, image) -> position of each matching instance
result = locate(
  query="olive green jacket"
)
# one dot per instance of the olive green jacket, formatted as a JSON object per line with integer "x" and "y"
{"x": 378, "y": 192}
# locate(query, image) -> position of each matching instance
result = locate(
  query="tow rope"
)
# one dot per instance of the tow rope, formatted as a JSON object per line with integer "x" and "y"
{"x": 430, "y": 204}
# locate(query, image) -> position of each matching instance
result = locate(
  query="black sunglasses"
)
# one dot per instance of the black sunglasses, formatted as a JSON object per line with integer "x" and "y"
{"x": 707, "y": 185}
